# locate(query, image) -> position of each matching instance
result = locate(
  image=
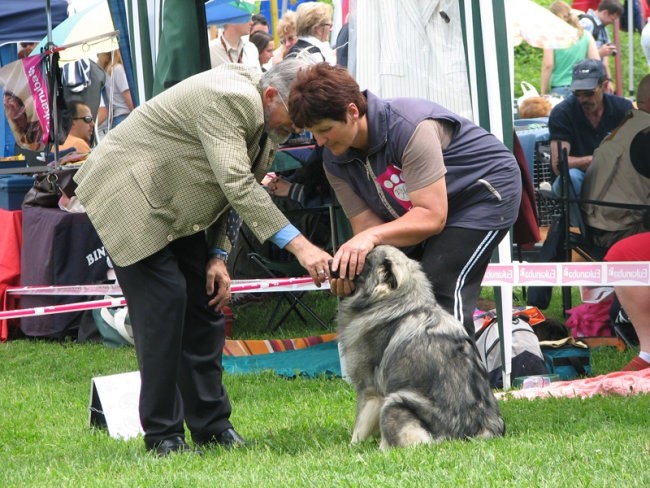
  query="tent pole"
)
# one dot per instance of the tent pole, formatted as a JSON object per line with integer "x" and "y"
{"x": 630, "y": 47}
{"x": 53, "y": 112}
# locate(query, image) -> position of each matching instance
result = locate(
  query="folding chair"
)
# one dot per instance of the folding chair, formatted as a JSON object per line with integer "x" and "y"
{"x": 289, "y": 266}
{"x": 578, "y": 238}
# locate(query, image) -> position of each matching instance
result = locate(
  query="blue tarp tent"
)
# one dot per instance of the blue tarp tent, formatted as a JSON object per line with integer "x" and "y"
{"x": 26, "y": 20}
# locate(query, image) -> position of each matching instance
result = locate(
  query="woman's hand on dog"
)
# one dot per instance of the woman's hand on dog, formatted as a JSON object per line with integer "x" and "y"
{"x": 349, "y": 259}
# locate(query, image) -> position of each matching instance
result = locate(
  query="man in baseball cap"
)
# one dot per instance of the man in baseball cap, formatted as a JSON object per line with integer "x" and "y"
{"x": 582, "y": 120}
{"x": 587, "y": 75}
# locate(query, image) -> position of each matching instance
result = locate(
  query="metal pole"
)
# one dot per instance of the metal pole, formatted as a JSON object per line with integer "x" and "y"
{"x": 630, "y": 47}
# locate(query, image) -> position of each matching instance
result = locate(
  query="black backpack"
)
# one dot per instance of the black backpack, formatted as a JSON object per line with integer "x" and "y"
{"x": 597, "y": 29}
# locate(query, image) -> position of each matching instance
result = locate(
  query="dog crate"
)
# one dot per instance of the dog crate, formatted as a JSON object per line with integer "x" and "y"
{"x": 542, "y": 173}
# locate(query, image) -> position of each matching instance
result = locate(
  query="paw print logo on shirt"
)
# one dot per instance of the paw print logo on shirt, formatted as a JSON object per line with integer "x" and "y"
{"x": 391, "y": 181}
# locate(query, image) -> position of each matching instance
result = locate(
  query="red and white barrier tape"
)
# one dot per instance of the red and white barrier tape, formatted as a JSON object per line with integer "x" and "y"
{"x": 636, "y": 273}
{"x": 237, "y": 286}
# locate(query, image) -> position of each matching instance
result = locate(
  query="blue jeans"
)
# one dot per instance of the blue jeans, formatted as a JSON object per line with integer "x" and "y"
{"x": 562, "y": 91}
{"x": 576, "y": 178}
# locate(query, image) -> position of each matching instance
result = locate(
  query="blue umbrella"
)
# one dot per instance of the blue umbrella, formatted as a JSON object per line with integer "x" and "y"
{"x": 228, "y": 11}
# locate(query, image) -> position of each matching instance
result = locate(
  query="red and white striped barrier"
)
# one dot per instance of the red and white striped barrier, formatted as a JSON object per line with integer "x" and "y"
{"x": 237, "y": 286}
{"x": 636, "y": 273}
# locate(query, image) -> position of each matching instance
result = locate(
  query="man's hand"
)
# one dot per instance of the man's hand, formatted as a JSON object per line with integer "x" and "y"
{"x": 310, "y": 257}
{"x": 279, "y": 187}
{"x": 217, "y": 273}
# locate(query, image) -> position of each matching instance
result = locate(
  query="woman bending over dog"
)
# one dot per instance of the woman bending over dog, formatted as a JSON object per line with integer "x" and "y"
{"x": 412, "y": 174}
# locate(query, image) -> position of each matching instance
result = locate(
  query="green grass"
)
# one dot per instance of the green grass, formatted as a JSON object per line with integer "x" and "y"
{"x": 298, "y": 430}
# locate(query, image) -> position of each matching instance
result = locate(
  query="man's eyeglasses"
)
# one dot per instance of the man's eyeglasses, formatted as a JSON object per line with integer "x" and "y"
{"x": 283, "y": 104}
{"x": 86, "y": 118}
{"x": 584, "y": 93}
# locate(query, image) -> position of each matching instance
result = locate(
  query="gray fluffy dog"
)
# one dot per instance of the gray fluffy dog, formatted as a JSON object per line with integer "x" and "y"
{"x": 417, "y": 374}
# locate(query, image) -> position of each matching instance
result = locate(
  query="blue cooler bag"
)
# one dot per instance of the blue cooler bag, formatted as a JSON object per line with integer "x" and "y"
{"x": 567, "y": 358}
{"x": 13, "y": 189}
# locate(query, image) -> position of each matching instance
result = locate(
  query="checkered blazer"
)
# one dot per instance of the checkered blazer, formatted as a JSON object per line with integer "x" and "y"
{"x": 178, "y": 162}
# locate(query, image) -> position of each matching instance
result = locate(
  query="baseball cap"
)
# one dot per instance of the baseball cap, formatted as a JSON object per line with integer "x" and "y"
{"x": 587, "y": 74}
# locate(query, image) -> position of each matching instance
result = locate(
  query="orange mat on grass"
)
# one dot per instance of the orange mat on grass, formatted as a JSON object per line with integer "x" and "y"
{"x": 265, "y": 346}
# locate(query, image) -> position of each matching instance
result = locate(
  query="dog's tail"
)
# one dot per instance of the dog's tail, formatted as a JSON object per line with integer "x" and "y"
{"x": 409, "y": 417}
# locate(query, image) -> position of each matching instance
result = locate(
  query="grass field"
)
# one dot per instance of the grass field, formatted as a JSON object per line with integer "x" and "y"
{"x": 298, "y": 430}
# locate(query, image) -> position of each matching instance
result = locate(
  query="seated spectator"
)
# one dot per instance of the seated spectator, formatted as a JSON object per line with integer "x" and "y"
{"x": 635, "y": 300}
{"x": 259, "y": 24}
{"x": 557, "y": 64}
{"x": 265, "y": 46}
{"x": 288, "y": 36}
{"x": 82, "y": 126}
{"x": 620, "y": 172}
{"x": 305, "y": 188}
{"x": 314, "y": 25}
{"x": 26, "y": 49}
{"x": 582, "y": 120}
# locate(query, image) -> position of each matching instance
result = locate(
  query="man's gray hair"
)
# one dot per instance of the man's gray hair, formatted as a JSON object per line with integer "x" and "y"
{"x": 281, "y": 75}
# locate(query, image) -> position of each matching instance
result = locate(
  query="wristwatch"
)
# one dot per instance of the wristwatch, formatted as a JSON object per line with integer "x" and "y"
{"x": 218, "y": 253}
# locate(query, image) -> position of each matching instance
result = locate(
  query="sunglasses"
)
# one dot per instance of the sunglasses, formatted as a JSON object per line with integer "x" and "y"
{"x": 86, "y": 118}
{"x": 584, "y": 93}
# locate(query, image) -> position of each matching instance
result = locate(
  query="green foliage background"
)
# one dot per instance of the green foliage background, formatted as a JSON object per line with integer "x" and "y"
{"x": 528, "y": 61}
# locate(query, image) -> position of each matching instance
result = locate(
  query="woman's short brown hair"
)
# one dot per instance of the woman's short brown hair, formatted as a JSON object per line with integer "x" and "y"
{"x": 322, "y": 91}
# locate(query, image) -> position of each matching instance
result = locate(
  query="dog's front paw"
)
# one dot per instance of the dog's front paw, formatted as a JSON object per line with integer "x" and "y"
{"x": 355, "y": 438}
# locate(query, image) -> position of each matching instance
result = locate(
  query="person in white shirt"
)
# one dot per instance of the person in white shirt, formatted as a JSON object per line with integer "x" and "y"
{"x": 229, "y": 47}
{"x": 314, "y": 26}
{"x": 116, "y": 102}
{"x": 288, "y": 36}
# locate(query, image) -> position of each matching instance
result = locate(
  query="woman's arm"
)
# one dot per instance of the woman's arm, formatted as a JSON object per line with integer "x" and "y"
{"x": 128, "y": 99}
{"x": 548, "y": 62}
{"x": 426, "y": 218}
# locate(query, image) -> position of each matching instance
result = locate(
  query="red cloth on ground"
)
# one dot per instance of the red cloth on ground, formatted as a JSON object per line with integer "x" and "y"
{"x": 11, "y": 240}
{"x": 624, "y": 383}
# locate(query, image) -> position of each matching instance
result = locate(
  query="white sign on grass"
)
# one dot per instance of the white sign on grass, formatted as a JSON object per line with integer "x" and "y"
{"x": 114, "y": 404}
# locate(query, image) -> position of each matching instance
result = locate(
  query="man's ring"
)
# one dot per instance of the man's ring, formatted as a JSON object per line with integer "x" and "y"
{"x": 320, "y": 271}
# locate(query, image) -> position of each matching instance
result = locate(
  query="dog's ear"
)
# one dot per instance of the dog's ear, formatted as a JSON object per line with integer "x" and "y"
{"x": 388, "y": 274}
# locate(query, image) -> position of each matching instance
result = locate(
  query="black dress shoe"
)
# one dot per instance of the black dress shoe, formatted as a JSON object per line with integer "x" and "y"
{"x": 172, "y": 444}
{"x": 228, "y": 438}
